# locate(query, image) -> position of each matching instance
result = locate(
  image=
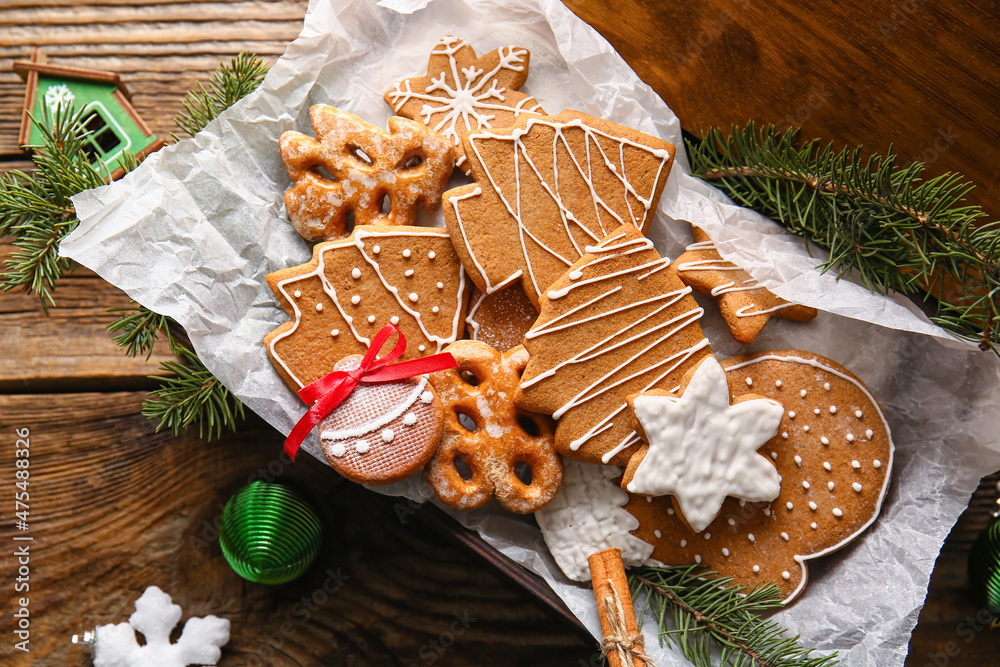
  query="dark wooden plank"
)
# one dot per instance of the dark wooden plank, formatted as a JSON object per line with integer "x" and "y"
{"x": 70, "y": 348}
{"x": 921, "y": 76}
{"x": 115, "y": 508}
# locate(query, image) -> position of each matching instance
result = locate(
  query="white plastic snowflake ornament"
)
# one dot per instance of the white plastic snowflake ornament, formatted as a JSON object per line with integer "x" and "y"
{"x": 59, "y": 96}
{"x": 155, "y": 616}
{"x": 702, "y": 448}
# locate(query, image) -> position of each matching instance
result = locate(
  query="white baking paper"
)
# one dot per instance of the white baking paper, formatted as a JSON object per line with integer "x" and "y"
{"x": 193, "y": 232}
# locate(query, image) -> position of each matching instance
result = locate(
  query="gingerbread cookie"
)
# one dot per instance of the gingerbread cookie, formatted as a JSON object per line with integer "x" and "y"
{"x": 462, "y": 93}
{"x": 489, "y": 435}
{"x": 587, "y": 516}
{"x": 407, "y": 276}
{"x": 618, "y": 323}
{"x": 378, "y": 177}
{"x": 702, "y": 447}
{"x": 382, "y": 433}
{"x": 833, "y": 452}
{"x": 500, "y": 319}
{"x": 546, "y": 188}
{"x": 745, "y": 304}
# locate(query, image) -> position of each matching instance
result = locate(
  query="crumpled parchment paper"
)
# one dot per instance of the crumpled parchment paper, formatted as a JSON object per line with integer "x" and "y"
{"x": 192, "y": 233}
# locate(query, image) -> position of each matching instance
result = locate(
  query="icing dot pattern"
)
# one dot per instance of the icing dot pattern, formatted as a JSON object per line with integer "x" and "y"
{"x": 816, "y": 513}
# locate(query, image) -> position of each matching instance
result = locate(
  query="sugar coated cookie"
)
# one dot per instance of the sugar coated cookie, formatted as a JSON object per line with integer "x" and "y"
{"x": 406, "y": 276}
{"x": 833, "y": 452}
{"x": 490, "y": 436}
{"x": 619, "y": 322}
{"x": 745, "y": 304}
{"x": 500, "y": 319}
{"x": 378, "y": 177}
{"x": 382, "y": 433}
{"x": 546, "y": 188}
{"x": 463, "y": 93}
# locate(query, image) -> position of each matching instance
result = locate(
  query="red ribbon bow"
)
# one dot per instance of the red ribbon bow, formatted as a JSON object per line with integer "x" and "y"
{"x": 331, "y": 390}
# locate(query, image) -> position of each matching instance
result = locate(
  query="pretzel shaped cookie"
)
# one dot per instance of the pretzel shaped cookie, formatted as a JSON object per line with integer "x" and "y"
{"x": 488, "y": 436}
{"x": 379, "y": 176}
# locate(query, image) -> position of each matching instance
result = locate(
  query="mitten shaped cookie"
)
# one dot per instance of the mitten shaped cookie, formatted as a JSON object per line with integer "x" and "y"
{"x": 833, "y": 452}
{"x": 463, "y": 93}
{"x": 546, "y": 188}
{"x": 355, "y": 168}
{"x": 745, "y": 304}
{"x": 490, "y": 435}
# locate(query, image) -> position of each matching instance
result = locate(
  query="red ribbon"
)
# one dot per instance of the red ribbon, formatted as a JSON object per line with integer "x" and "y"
{"x": 331, "y": 390}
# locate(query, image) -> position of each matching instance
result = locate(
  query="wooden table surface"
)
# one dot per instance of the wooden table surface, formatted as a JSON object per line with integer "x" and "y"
{"x": 116, "y": 507}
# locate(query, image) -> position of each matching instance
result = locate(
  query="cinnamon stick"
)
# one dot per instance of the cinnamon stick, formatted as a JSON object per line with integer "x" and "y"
{"x": 623, "y": 643}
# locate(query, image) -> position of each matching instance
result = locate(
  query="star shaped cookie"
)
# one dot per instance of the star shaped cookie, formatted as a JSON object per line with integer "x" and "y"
{"x": 702, "y": 448}
{"x": 746, "y": 306}
{"x": 463, "y": 93}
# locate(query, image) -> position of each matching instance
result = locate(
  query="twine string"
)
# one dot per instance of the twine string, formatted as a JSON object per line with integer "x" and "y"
{"x": 629, "y": 648}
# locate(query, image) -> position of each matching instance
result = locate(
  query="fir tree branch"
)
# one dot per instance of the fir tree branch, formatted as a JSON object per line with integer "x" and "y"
{"x": 36, "y": 209}
{"x": 189, "y": 394}
{"x": 137, "y": 329}
{"x": 881, "y": 222}
{"x": 700, "y": 612}
{"x": 230, "y": 84}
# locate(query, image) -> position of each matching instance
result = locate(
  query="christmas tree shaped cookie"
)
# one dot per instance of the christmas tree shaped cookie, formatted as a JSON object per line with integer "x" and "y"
{"x": 618, "y": 323}
{"x": 407, "y": 276}
{"x": 546, "y": 188}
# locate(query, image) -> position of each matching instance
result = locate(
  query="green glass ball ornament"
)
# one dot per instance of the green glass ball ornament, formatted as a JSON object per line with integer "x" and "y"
{"x": 269, "y": 533}
{"x": 984, "y": 565}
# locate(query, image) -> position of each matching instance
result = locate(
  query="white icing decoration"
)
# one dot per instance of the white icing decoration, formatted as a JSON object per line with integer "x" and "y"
{"x": 708, "y": 536}
{"x": 435, "y": 309}
{"x": 319, "y": 308}
{"x": 409, "y": 274}
{"x": 751, "y": 537}
{"x": 374, "y": 425}
{"x": 850, "y": 437}
{"x": 361, "y": 446}
{"x": 869, "y": 433}
{"x": 732, "y": 522}
{"x": 798, "y": 460}
{"x": 335, "y": 332}
{"x": 855, "y": 464}
{"x": 355, "y": 299}
{"x": 338, "y": 450}
{"x": 826, "y": 385}
{"x": 358, "y": 241}
{"x": 697, "y": 559}
{"x": 816, "y": 411}
{"x": 749, "y": 382}
{"x": 427, "y": 397}
{"x": 789, "y": 505}
{"x": 297, "y": 293}
{"x": 431, "y": 255}
{"x": 858, "y": 414}
{"x": 813, "y": 525}
{"x": 387, "y": 435}
{"x": 812, "y": 506}
{"x": 756, "y": 569}
{"x": 421, "y": 348}
{"x": 441, "y": 286}
{"x": 702, "y": 449}
{"x": 826, "y": 465}
{"x": 394, "y": 319}
{"x": 785, "y": 537}
{"x": 838, "y": 512}
{"x": 784, "y": 434}
{"x": 830, "y": 485}
{"x": 371, "y": 319}
{"x": 803, "y": 393}
{"x": 791, "y": 414}
{"x": 657, "y": 533}
{"x": 777, "y": 383}
{"x": 587, "y": 515}
{"x": 409, "y": 419}
{"x": 825, "y": 440}
{"x": 833, "y": 409}
{"x": 725, "y": 552}
{"x": 857, "y": 487}
{"x": 413, "y": 296}
{"x": 786, "y": 575}
{"x": 406, "y": 252}
{"x": 805, "y": 484}
{"x": 806, "y": 428}
{"x": 774, "y": 455}
{"x": 356, "y": 273}
{"x": 876, "y": 463}
{"x": 582, "y": 170}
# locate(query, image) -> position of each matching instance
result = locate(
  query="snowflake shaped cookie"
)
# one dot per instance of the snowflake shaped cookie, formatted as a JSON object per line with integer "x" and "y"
{"x": 155, "y": 616}
{"x": 702, "y": 448}
{"x": 462, "y": 93}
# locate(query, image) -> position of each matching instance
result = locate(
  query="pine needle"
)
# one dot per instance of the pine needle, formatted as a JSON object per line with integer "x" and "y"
{"x": 883, "y": 223}
{"x": 706, "y": 615}
{"x": 229, "y": 85}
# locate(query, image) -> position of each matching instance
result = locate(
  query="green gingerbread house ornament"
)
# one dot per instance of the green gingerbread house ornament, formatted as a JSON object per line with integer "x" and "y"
{"x": 114, "y": 126}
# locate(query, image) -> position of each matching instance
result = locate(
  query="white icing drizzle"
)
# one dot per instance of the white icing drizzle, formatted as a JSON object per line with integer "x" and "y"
{"x": 467, "y": 100}
{"x": 586, "y": 173}
{"x": 374, "y": 425}
{"x": 358, "y": 241}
